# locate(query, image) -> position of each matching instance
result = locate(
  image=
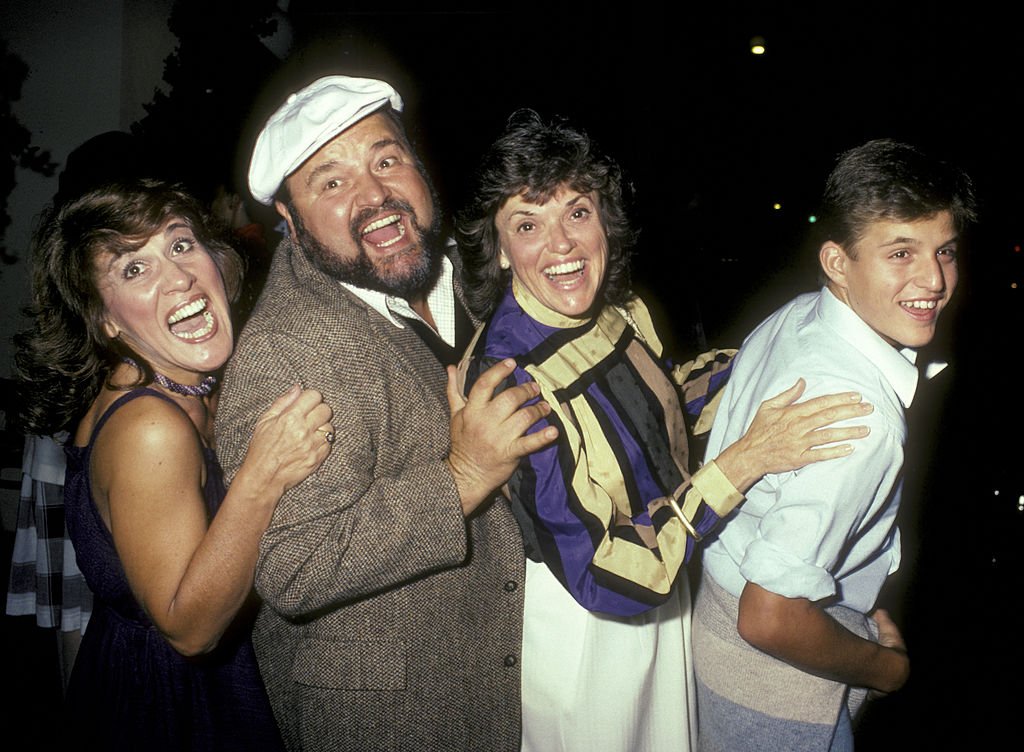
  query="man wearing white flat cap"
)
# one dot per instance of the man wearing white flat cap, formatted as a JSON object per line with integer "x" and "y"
{"x": 392, "y": 585}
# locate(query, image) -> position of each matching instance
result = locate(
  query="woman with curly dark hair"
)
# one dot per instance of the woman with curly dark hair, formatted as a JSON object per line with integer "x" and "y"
{"x": 131, "y": 322}
{"x": 612, "y": 510}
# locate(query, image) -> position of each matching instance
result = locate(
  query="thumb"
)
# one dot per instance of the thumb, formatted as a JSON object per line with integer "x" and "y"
{"x": 455, "y": 399}
{"x": 881, "y": 616}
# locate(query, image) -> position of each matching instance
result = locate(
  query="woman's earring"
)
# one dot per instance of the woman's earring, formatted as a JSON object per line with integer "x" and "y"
{"x": 503, "y": 261}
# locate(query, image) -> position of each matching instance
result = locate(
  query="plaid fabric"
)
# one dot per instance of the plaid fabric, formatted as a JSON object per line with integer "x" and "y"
{"x": 44, "y": 578}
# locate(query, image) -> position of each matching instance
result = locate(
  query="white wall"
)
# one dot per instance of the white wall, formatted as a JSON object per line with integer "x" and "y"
{"x": 92, "y": 66}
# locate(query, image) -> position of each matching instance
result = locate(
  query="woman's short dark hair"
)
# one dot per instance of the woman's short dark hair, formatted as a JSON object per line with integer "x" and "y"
{"x": 65, "y": 357}
{"x": 534, "y": 159}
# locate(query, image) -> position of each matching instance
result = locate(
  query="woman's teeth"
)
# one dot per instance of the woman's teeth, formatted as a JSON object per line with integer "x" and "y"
{"x": 202, "y": 331}
{"x": 568, "y": 267}
{"x": 187, "y": 310}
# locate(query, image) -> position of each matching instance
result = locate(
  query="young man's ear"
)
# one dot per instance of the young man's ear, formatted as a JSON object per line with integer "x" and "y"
{"x": 834, "y": 262}
{"x": 287, "y": 217}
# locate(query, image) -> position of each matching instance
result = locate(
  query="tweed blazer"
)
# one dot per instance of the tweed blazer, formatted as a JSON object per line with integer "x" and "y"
{"x": 389, "y": 621}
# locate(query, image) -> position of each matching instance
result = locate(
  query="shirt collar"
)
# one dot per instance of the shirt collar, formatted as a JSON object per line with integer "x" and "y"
{"x": 440, "y": 300}
{"x": 898, "y": 365}
{"x": 540, "y": 312}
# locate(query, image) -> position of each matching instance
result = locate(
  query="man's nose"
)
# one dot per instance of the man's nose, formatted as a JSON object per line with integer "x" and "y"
{"x": 931, "y": 275}
{"x": 371, "y": 190}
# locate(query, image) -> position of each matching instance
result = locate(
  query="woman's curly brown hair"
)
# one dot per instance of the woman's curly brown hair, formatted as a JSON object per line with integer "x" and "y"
{"x": 534, "y": 159}
{"x": 64, "y": 358}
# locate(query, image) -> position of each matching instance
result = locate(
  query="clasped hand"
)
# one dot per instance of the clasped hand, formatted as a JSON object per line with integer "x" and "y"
{"x": 489, "y": 431}
{"x": 289, "y": 440}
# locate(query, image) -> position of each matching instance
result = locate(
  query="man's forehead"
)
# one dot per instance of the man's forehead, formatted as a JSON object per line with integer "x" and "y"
{"x": 307, "y": 120}
{"x": 937, "y": 228}
{"x": 362, "y": 139}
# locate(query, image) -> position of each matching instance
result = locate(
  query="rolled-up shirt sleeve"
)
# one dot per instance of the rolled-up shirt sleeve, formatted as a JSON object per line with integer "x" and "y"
{"x": 828, "y": 520}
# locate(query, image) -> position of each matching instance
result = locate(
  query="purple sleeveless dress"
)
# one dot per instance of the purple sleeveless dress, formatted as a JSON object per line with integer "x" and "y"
{"x": 129, "y": 688}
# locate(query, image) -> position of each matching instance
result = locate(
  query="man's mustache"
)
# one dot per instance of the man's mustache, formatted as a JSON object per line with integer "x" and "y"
{"x": 367, "y": 215}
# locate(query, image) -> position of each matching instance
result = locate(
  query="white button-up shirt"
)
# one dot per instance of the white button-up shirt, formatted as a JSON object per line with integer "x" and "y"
{"x": 829, "y": 529}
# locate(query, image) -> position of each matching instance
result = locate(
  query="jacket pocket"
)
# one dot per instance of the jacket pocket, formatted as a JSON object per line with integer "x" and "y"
{"x": 351, "y": 664}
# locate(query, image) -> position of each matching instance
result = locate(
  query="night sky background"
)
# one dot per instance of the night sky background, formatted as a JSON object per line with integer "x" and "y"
{"x": 710, "y": 137}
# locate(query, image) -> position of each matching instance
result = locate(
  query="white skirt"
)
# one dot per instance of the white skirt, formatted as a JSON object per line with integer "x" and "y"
{"x": 598, "y": 683}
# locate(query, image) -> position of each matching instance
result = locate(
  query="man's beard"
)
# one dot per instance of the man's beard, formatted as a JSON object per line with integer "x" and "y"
{"x": 412, "y": 281}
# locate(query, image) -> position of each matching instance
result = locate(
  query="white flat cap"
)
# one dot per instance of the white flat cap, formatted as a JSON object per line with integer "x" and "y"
{"x": 308, "y": 120}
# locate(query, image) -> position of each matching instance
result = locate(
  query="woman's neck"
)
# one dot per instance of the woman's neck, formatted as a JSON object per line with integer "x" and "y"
{"x": 540, "y": 312}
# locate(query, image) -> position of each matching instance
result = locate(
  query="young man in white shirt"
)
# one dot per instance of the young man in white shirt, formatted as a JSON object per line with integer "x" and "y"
{"x": 786, "y": 639}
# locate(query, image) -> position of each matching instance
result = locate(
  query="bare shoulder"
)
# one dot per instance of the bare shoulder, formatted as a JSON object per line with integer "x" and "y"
{"x": 148, "y": 450}
{"x": 147, "y": 427}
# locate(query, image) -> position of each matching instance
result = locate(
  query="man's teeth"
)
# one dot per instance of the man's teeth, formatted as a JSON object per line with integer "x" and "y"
{"x": 925, "y": 304}
{"x": 384, "y": 222}
{"x": 205, "y": 329}
{"x": 567, "y": 268}
{"x": 401, "y": 234}
{"x": 187, "y": 310}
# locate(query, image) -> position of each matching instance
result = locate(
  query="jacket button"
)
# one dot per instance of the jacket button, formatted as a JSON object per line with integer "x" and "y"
{"x": 510, "y": 660}
{"x": 511, "y": 586}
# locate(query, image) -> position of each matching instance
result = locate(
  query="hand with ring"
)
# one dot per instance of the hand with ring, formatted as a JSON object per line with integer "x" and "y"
{"x": 291, "y": 439}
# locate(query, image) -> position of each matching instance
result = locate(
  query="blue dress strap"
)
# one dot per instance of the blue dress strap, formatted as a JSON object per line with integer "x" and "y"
{"x": 124, "y": 399}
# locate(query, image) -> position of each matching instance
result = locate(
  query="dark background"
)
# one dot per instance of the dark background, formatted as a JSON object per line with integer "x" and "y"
{"x": 710, "y": 137}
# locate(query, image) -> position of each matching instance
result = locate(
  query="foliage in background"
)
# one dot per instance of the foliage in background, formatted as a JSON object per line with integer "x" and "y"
{"x": 212, "y": 77}
{"x": 19, "y": 152}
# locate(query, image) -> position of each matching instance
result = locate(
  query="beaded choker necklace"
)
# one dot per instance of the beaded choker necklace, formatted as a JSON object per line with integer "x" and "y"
{"x": 201, "y": 389}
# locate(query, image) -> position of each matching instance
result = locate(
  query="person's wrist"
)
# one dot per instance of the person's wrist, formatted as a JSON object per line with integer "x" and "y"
{"x": 735, "y": 465}
{"x": 467, "y": 486}
{"x": 257, "y": 483}
{"x": 899, "y": 668}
